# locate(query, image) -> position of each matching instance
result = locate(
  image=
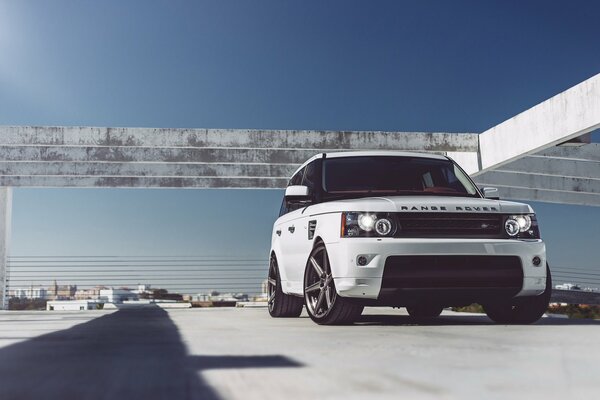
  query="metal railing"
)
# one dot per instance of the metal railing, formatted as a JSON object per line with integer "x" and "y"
{"x": 42, "y": 276}
{"x": 190, "y": 275}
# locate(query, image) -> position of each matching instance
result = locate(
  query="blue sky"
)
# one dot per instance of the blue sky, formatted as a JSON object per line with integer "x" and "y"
{"x": 460, "y": 66}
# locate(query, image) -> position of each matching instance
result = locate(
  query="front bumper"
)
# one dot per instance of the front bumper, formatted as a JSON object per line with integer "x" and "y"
{"x": 365, "y": 282}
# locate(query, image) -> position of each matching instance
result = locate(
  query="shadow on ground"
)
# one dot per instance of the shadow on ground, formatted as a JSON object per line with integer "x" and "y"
{"x": 129, "y": 354}
{"x": 383, "y": 319}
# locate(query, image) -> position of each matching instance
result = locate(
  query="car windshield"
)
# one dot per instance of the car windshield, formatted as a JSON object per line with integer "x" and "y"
{"x": 395, "y": 174}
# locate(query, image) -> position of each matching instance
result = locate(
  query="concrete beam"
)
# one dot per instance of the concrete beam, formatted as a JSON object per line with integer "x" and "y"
{"x": 547, "y": 196}
{"x": 566, "y": 175}
{"x": 588, "y": 152}
{"x": 552, "y": 166}
{"x": 145, "y": 169}
{"x": 567, "y": 115}
{"x": 538, "y": 181}
{"x": 105, "y": 157}
{"x": 242, "y": 138}
{"x": 156, "y": 154}
{"x": 146, "y": 182}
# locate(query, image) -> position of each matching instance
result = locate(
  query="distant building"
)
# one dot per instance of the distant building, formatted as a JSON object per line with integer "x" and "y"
{"x": 89, "y": 294}
{"x": 568, "y": 286}
{"x": 591, "y": 289}
{"x": 116, "y": 295}
{"x": 215, "y": 296}
{"x": 32, "y": 292}
{"x": 61, "y": 292}
{"x": 142, "y": 289}
{"x": 71, "y": 305}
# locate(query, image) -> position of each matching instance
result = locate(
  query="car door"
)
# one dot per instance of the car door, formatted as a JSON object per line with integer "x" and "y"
{"x": 312, "y": 180}
{"x": 299, "y": 227}
{"x": 290, "y": 238}
{"x": 287, "y": 232}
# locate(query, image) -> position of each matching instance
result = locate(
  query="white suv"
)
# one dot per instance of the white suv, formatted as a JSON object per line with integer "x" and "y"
{"x": 402, "y": 229}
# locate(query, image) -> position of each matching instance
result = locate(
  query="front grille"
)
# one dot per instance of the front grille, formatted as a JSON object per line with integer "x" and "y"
{"x": 453, "y": 272}
{"x": 449, "y": 225}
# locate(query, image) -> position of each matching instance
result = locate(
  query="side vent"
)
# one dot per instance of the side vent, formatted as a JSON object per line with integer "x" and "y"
{"x": 312, "y": 227}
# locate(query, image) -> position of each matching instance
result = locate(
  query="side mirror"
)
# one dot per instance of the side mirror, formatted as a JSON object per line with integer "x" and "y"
{"x": 491, "y": 193}
{"x": 297, "y": 193}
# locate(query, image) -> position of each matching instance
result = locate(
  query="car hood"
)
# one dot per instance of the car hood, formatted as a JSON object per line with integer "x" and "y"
{"x": 424, "y": 204}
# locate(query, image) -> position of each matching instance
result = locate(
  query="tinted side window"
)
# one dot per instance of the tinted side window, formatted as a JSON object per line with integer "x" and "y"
{"x": 297, "y": 178}
{"x": 310, "y": 175}
{"x": 283, "y": 209}
{"x": 312, "y": 179}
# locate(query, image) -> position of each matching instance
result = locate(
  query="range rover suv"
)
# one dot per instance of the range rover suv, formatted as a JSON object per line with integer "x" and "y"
{"x": 401, "y": 229}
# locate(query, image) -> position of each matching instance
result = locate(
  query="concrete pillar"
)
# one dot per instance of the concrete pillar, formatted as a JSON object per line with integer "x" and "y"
{"x": 5, "y": 225}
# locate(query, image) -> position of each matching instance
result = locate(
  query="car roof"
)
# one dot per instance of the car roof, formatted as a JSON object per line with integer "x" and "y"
{"x": 367, "y": 153}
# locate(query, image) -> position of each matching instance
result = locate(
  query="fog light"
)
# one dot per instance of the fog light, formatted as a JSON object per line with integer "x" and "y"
{"x": 363, "y": 260}
{"x": 536, "y": 261}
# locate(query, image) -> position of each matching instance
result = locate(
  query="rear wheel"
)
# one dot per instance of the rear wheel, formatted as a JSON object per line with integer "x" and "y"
{"x": 281, "y": 305}
{"x": 522, "y": 310}
{"x": 424, "y": 311}
{"x": 323, "y": 304}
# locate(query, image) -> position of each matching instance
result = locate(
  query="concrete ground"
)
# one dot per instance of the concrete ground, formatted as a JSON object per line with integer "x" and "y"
{"x": 153, "y": 353}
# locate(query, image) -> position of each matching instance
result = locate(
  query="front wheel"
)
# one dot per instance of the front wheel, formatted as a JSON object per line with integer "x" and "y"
{"x": 323, "y": 304}
{"x": 522, "y": 310}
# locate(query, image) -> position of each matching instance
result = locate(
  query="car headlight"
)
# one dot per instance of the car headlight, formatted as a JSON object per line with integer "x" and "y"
{"x": 365, "y": 224}
{"x": 522, "y": 226}
{"x": 383, "y": 226}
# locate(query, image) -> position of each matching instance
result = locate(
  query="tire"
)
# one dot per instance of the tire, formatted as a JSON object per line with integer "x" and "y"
{"x": 421, "y": 311}
{"x": 522, "y": 310}
{"x": 281, "y": 305}
{"x": 323, "y": 304}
